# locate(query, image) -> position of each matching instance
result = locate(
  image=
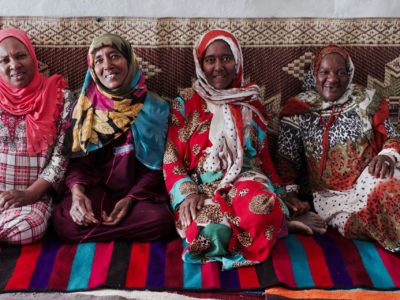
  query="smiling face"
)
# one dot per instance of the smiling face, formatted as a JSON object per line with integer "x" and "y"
{"x": 111, "y": 67}
{"x": 219, "y": 65}
{"x": 17, "y": 67}
{"x": 332, "y": 77}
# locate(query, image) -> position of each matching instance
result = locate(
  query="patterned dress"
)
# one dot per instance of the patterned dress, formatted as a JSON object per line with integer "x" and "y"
{"x": 239, "y": 224}
{"x": 18, "y": 171}
{"x": 344, "y": 193}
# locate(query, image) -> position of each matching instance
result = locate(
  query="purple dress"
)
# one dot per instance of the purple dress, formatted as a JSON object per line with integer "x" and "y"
{"x": 110, "y": 174}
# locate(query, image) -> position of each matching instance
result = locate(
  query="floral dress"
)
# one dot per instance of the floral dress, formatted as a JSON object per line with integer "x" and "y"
{"x": 239, "y": 223}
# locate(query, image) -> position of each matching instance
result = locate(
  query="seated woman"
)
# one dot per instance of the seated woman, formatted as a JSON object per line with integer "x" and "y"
{"x": 116, "y": 187}
{"x": 33, "y": 113}
{"x": 351, "y": 150}
{"x": 223, "y": 186}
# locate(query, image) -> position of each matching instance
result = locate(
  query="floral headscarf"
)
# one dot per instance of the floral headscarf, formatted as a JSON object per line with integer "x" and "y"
{"x": 40, "y": 101}
{"x": 102, "y": 115}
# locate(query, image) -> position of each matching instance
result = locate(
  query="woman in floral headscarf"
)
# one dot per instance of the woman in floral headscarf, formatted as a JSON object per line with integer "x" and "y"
{"x": 33, "y": 114}
{"x": 351, "y": 149}
{"x": 223, "y": 186}
{"x": 116, "y": 188}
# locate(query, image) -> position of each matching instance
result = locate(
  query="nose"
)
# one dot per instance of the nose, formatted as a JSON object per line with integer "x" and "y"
{"x": 219, "y": 65}
{"x": 332, "y": 77}
{"x": 14, "y": 64}
{"x": 108, "y": 63}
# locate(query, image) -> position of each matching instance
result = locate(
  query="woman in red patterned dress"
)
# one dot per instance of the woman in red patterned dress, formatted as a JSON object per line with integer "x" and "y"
{"x": 218, "y": 172}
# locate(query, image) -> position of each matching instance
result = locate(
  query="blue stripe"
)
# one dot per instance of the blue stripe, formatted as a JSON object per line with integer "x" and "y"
{"x": 374, "y": 265}
{"x": 191, "y": 274}
{"x": 81, "y": 266}
{"x": 300, "y": 267}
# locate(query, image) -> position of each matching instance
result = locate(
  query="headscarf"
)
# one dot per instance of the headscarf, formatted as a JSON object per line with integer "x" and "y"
{"x": 231, "y": 109}
{"x": 101, "y": 114}
{"x": 40, "y": 101}
{"x": 311, "y": 100}
{"x": 352, "y": 97}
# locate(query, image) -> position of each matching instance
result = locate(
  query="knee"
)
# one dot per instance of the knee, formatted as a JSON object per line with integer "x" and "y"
{"x": 27, "y": 227}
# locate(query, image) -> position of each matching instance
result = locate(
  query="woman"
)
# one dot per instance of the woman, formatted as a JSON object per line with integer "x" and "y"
{"x": 116, "y": 188}
{"x": 223, "y": 186}
{"x": 33, "y": 113}
{"x": 351, "y": 149}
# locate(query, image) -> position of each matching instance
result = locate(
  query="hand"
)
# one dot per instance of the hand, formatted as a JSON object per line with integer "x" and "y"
{"x": 119, "y": 212}
{"x": 295, "y": 205}
{"x": 81, "y": 209}
{"x": 189, "y": 207}
{"x": 15, "y": 198}
{"x": 381, "y": 166}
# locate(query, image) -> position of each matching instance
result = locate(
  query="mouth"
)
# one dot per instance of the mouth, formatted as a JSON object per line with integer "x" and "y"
{"x": 111, "y": 76}
{"x": 18, "y": 76}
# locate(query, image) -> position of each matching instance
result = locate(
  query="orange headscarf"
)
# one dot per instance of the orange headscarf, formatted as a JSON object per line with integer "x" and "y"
{"x": 40, "y": 101}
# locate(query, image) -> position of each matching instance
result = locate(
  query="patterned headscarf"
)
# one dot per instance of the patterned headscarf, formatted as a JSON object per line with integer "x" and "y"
{"x": 40, "y": 101}
{"x": 311, "y": 100}
{"x": 231, "y": 109}
{"x": 102, "y": 115}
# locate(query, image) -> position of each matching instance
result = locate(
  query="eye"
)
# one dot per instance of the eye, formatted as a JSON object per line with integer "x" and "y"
{"x": 323, "y": 72}
{"x": 21, "y": 56}
{"x": 343, "y": 73}
{"x": 98, "y": 60}
{"x": 227, "y": 58}
{"x": 209, "y": 60}
{"x": 115, "y": 56}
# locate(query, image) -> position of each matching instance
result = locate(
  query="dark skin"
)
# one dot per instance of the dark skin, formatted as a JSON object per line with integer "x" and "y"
{"x": 219, "y": 68}
{"x": 331, "y": 83}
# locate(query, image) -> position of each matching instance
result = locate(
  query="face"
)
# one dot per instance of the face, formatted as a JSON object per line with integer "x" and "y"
{"x": 219, "y": 65}
{"x": 16, "y": 64}
{"x": 111, "y": 67}
{"x": 332, "y": 77}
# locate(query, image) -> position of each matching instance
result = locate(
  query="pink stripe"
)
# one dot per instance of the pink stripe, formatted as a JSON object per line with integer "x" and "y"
{"x": 210, "y": 276}
{"x": 392, "y": 264}
{"x": 282, "y": 264}
{"x": 101, "y": 263}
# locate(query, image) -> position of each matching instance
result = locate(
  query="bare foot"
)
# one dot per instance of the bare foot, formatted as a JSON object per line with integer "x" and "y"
{"x": 308, "y": 223}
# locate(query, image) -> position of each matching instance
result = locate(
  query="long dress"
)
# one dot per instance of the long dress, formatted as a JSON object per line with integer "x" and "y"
{"x": 344, "y": 193}
{"x": 239, "y": 224}
{"x": 114, "y": 172}
{"x": 18, "y": 170}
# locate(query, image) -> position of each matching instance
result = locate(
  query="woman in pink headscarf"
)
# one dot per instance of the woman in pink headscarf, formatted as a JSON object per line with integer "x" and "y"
{"x": 33, "y": 112}
{"x": 221, "y": 180}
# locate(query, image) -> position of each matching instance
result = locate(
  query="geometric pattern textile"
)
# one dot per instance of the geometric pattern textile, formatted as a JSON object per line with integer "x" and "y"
{"x": 276, "y": 52}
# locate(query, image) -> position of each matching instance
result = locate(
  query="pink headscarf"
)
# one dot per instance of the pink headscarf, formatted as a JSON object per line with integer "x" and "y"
{"x": 40, "y": 101}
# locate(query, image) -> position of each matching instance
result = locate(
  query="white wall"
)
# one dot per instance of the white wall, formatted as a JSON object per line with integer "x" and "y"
{"x": 203, "y": 8}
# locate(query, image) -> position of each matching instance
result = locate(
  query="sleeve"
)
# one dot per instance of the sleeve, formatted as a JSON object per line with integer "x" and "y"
{"x": 81, "y": 171}
{"x": 391, "y": 146}
{"x": 56, "y": 166}
{"x": 290, "y": 150}
{"x": 178, "y": 182}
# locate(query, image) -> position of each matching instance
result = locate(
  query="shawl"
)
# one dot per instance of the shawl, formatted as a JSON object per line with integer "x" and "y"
{"x": 40, "y": 101}
{"x": 363, "y": 100}
{"x": 101, "y": 115}
{"x": 231, "y": 109}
